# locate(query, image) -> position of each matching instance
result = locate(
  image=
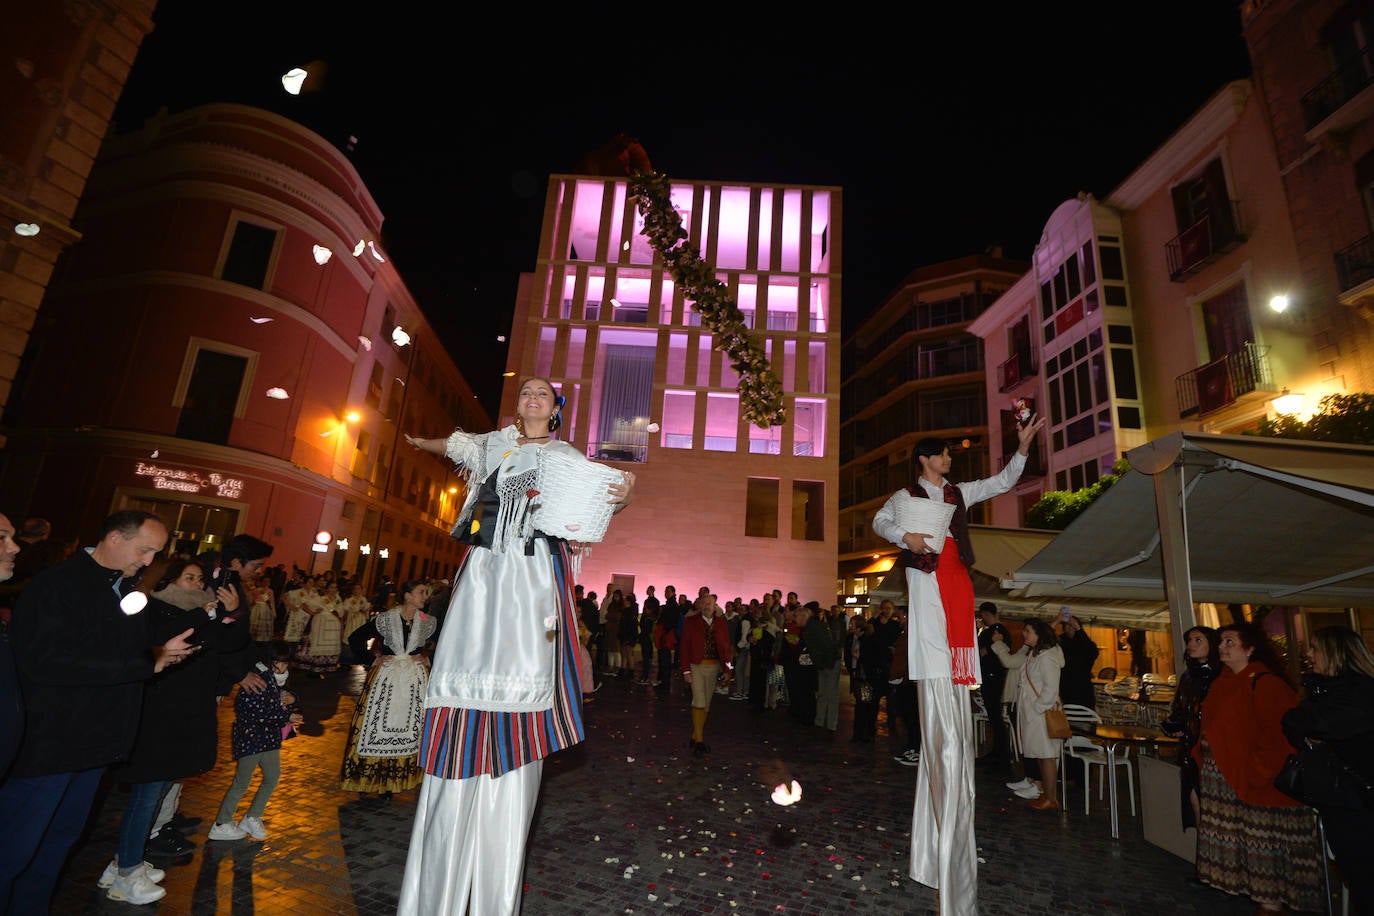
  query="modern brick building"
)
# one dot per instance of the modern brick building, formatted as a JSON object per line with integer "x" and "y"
{"x": 719, "y": 502}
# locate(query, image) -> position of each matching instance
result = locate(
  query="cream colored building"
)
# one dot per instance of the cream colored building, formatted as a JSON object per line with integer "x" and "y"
{"x": 719, "y": 502}
{"x": 1153, "y": 311}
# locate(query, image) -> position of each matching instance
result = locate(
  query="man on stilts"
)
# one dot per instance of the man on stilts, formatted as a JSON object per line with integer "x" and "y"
{"x": 942, "y": 657}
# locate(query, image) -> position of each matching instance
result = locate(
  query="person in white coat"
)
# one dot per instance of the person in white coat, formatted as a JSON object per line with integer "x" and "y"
{"x": 1037, "y": 689}
{"x": 942, "y": 656}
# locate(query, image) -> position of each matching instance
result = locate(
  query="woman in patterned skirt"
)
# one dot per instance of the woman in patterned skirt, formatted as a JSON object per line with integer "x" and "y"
{"x": 505, "y": 691}
{"x": 323, "y": 641}
{"x": 384, "y": 737}
{"x": 1251, "y": 838}
{"x": 262, "y": 620}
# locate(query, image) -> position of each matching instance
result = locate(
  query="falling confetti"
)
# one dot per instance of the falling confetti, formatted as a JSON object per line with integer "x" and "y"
{"x": 784, "y": 795}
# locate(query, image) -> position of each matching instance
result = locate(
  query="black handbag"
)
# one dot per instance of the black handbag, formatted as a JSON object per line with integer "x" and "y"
{"x": 1315, "y": 776}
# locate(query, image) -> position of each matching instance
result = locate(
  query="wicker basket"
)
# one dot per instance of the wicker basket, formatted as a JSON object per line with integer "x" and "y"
{"x": 573, "y": 498}
{"x": 930, "y": 517}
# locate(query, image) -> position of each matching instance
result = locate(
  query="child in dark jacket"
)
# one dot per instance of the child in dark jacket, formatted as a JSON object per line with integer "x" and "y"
{"x": 259, "y": 720}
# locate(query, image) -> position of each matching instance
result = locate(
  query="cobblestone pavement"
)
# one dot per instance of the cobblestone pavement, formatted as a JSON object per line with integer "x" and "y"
{"x": 631, "y": 822}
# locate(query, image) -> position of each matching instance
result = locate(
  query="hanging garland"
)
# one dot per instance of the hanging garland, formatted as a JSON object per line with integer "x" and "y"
{"x": 759, "y": 389}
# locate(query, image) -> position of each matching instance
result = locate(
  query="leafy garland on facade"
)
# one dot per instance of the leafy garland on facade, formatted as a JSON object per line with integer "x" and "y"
{"x": 759, "y": 389}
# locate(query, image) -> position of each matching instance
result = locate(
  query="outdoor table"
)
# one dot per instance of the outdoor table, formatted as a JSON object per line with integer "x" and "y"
{"x": 1111, "y": 737}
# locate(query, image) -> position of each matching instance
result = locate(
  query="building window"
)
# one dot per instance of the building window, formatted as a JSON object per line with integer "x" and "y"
{"x": 212, "y": 390}
{"x": 364, "y": 444}
{"x": 761, "y": 508}
{"x": 722, "y": 425}
{"x": 249, "y": 258}
{"x": 627, "y": 387}
{"x": 816, "y": 367}
{"x": 808, "y": 428}
{"x": 679, "y": 416}
{"x": 808, "y": 510}
{"x": 373, "y": 397}
{"x": 1226, "y": 321}
{"x": 393, "y": 401}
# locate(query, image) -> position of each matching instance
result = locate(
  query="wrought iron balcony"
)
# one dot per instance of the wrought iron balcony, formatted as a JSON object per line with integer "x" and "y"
{"x": 1203, "y": 242}
{"x": 1015, "y": 370}
{"x": 1350, "y": 77}
{"x": 1355, "y": 264}
{"x": 1224, "y": 381}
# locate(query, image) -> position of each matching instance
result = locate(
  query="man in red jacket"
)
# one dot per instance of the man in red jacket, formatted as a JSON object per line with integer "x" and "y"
{"x": 704, "y": 650}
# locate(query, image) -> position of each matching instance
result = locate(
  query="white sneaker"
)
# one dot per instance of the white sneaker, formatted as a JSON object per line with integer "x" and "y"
{"x": 135, "y": 888}
{"x": 254, "y": 827}
{"x": 226, "y": 832}
{"x": 1030, "y": 792}
{"x": 107, "y": 877}
{"x": 1020, "y": 784}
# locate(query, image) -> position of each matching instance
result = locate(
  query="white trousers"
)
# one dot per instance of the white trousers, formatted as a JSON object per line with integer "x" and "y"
{"x": 944, "y": 854}
{"x": 467, "y": 848}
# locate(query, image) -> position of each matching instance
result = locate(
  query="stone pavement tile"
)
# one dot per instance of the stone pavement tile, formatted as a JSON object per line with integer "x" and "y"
{"x": 631, "y": 822}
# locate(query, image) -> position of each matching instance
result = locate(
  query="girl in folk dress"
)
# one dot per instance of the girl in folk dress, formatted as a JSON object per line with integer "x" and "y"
{"x": 296, "y": 615}
{"x": 384, "y": 737}
{"x": 356, "y": 610}
{"x": 262, "y": 621}
{"x": 323, "y": 642}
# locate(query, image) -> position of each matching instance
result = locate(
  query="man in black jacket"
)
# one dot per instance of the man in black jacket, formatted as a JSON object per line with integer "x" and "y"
{"x": 83, "y": 648}
{"x": 994, "y": 682}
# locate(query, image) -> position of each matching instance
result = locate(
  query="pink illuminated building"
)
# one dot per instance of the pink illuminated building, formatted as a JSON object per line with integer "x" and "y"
{"x": 720, "y": 502}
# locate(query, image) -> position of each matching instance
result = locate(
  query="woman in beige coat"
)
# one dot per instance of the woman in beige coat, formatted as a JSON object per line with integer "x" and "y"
{"x": 1037, "y": 689}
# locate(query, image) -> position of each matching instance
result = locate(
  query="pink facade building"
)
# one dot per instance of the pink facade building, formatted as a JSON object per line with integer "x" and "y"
{"x": 719, "y": 502}
{"x": 228, "y": 346}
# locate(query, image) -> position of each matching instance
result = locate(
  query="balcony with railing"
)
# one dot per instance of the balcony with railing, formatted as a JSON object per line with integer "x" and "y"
{"x": 1343, "y": 99}
{"x": 1355, "y": 264}
{"x": 1015, "y": 370}
{"x": 1233, "y": 378}
{"x": 1203, "y": 242}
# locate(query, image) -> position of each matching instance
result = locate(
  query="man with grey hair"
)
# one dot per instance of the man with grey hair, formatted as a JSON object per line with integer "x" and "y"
{"x": 83, "y": 648}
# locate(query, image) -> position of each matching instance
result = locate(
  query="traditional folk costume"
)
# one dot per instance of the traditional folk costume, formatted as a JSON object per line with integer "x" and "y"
{"x": 297, "y": 617}
{"x": 262, "y": 621}
{"x": 504, "y": 693}
{"x": 942, "y": 657}
{"x": 356, "y": 609}
{"x": 384, "y": 737}
{"x": 323, "y": 642}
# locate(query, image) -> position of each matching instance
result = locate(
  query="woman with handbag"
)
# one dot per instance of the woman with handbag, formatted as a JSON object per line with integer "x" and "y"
{"x": 1252, "y": 840}
{"x": 1037, "y": 691}
{"x": 1338, "y": 712}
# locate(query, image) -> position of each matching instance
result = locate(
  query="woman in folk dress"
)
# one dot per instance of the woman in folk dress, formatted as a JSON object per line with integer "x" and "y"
{"x": 505, "y": 689}
{"x": 384, "y": 737}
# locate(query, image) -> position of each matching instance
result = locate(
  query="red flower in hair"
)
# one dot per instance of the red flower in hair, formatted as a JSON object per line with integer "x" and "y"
{"x": 531, "y": 494}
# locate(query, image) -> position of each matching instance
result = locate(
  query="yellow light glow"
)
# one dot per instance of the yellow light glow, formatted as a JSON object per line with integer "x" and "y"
{"x": 353, "y": 416}
{"x": 1279, "y": 302}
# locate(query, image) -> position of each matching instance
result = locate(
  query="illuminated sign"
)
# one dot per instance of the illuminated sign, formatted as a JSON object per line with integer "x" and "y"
{"x": 182, "y": 480}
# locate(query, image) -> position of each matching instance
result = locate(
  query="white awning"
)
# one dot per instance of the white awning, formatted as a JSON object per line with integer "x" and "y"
{"x": 1225, "y": 519}
{"x": 998, "y": 552}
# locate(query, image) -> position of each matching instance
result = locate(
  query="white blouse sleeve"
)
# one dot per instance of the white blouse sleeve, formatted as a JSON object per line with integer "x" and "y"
{"x": 885, "y": 521}
{"x": 978, "y": 490}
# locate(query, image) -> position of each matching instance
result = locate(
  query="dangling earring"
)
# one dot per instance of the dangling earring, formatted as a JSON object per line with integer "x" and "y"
{"x": 555, "y": 421}
{"x": 520, "y": 424}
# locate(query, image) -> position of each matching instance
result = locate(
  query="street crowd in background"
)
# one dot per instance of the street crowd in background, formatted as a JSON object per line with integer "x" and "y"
{"x": 145, "y": 725}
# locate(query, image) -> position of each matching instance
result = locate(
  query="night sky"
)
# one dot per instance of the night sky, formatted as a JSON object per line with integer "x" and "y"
{"x": 948, "y": 132}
